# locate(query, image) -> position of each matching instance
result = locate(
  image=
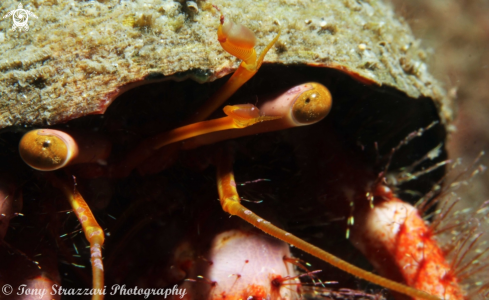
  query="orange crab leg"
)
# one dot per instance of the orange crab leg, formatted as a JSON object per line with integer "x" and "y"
{"x": 230, "y": 202}
{"x": 93, "y": 232}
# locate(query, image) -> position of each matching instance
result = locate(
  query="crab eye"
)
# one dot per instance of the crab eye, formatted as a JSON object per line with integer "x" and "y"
{"x": 312, "y": 105}
{"x": 45, "y": 149}
{"x": 237, "y": 40}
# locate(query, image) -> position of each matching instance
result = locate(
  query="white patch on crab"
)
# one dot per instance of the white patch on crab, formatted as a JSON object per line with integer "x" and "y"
{"x": 244, "y": 263}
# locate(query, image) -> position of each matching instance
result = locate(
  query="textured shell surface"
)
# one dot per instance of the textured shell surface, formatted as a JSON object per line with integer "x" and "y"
{"x": 78, "y": 56}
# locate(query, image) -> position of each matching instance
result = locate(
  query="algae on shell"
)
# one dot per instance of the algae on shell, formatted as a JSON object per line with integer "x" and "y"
{"x": 78, "y": 56}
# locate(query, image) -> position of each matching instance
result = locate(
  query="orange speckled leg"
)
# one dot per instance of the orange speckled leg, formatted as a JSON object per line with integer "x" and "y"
{"x": 230, "y": 202}
{"x": 93, "y": 232}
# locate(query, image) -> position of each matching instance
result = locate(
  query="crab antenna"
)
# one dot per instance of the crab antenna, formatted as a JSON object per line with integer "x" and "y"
{"x": 230, "y": 202}
{"x": 49, "y": 149}
{"x": 238, "y": 41}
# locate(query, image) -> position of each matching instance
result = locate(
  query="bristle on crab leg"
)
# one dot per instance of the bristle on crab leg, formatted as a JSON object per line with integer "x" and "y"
{"x": 92, "y": 230}
{"x": 400, "y": 245}
{"x": 10, "y": 204}
{"x": 230, "y": 202}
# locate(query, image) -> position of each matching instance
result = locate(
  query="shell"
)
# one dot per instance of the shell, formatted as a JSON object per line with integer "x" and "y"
{"x": 77, "y": 57}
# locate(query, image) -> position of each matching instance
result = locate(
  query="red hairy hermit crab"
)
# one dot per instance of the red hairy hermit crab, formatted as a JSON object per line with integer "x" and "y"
{"x": 146, "y": 162}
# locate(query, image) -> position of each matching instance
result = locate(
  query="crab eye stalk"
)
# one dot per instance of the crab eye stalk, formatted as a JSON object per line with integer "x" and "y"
{"x": 301, "y": 105}
{"x": 304, "y": 104}
{"x": 47, "y": 149}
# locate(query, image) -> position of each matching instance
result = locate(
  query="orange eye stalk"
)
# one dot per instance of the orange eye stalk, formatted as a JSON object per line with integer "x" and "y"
{"x": 301, "y": 105}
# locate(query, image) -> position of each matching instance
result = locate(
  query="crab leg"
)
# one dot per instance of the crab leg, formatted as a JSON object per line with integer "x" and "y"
{"x": 230, "y": 202}
{"x": 93, "y": 232}
{"x": 397, "y": 241}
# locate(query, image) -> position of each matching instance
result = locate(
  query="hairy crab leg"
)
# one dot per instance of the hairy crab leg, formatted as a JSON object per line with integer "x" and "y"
{"x": 397, "y": 241}
{"x": 241, "y": 263}
{"x": 93, "y": 233}
{"x": 50, "y": 149}
{"x": 230, "y": 202}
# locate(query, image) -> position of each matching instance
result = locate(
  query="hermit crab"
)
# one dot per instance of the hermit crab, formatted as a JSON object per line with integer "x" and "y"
{"x": 125, "y": 113}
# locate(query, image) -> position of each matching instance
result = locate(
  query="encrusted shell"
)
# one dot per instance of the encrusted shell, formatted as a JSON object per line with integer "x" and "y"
{"x": 78, "y": 56}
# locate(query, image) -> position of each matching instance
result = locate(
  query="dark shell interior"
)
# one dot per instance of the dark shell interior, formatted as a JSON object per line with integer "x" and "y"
{"x": 307, "y": 169}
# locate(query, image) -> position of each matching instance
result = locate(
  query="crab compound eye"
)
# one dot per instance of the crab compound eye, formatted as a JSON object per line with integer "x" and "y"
{"x": 45, "y": 149}
{"x": 312, "y": 105}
